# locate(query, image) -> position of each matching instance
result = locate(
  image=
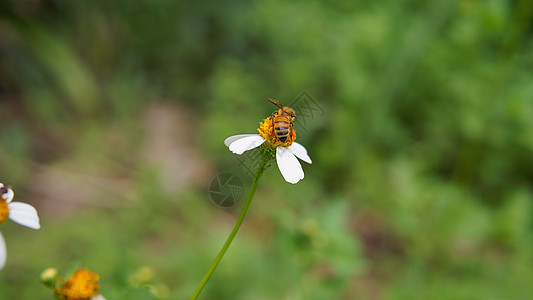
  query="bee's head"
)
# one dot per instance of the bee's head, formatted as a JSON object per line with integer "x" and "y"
{"x": 287, "y": 111}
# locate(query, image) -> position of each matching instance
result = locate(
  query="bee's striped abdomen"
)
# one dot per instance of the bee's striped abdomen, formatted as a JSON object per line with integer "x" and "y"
{"x": 282, "y": 128}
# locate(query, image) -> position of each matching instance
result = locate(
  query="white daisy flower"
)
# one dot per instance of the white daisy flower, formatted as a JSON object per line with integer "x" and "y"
{"x": 287, "y": 152}
{"x": 18, "y": 212}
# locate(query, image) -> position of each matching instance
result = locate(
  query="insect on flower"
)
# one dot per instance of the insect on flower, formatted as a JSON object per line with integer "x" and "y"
{"x": 276, "y": 132}
{"x": 282, "y": 121}
{"x": 18, "y": 212}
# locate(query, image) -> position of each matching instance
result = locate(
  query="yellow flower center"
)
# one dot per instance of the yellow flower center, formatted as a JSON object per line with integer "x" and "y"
{"x": 4, "y": 211}
{"x": 266, "y": 130}
{"x": 83, "y": 285}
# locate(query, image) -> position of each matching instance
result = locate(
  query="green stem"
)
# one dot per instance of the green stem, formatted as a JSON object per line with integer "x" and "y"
{"x": 258, "y": 174}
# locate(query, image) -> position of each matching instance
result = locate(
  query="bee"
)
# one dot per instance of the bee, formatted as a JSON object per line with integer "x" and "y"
{"x": 282, "y": 121}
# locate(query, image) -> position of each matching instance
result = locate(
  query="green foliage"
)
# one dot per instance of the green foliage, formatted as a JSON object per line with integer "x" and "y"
{"x": 114, "y": 113}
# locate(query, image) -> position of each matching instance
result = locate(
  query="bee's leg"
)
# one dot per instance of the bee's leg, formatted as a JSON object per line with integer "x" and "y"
{"x": 290, "y": 128}
{"x": 273, "y": 129}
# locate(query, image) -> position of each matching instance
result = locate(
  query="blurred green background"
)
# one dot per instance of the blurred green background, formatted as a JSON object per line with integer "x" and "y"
{"x": 113, "y": 116}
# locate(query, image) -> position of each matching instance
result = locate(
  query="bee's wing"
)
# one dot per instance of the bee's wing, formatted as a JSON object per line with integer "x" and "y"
{"x": 276, "y": 103}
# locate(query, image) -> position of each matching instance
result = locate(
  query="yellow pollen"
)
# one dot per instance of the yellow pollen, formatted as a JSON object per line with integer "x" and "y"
{"x": 83, "y": 285}
{"x": 4, "y": 210}
{"x": 266, "y": 130}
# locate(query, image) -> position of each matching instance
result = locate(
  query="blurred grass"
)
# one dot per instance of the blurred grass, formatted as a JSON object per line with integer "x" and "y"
{"x": 113, "y": 116}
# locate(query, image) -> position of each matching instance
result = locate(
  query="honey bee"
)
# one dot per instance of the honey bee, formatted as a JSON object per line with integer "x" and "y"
{"x": 282, "y": 121}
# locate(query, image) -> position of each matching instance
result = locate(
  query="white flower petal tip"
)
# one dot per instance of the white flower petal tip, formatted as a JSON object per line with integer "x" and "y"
{"x": 24, "y": 214}
{"x": 233, "y": 138}
{"x": 240, "y": 144}
{"x": 288, "y": 165}
{"x": 98, "y": 297}
{"x": 300, "y": 152}
{"x": 3, "y": 252}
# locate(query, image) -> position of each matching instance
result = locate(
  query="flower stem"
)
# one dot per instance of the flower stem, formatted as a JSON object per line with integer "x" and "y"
{"x": 262, "y": 167}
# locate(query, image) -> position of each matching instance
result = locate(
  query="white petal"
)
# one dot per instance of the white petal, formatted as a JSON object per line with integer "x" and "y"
{"x": 246, "y": 143}
{"x": 288, "y": 165}
{"x": 233, "y": 138}
{"x": 98, "y": 297}
{"x": 8, "y": 196}
{"x": 24, "y": 214}
{"x": 3, "y": 252}
{"x": 300, "y": 152}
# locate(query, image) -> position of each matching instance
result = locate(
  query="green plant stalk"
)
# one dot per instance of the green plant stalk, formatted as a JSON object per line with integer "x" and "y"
{"x": 262, "y": 167}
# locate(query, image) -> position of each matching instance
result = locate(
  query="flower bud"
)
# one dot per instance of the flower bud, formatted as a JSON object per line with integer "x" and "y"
{"x": 49, "y": 276}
